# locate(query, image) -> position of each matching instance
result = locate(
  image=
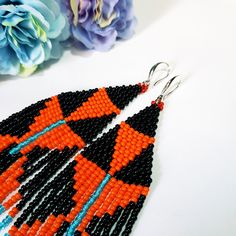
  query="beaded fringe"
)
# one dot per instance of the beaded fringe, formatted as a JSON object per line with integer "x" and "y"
{"x": 41, "y": 139}
{"x": 99, "y": 191}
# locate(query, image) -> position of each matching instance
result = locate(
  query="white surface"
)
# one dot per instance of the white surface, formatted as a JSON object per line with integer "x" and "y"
{"x": 194, "y": 188}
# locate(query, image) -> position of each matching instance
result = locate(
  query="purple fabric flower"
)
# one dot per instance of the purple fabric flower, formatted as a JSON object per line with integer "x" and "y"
{"x": 97, "y": 24}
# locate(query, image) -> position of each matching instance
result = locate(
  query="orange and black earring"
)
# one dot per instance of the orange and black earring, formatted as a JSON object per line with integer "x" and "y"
{"x": 102, "y": 190}
{"x": 42, "y": 137}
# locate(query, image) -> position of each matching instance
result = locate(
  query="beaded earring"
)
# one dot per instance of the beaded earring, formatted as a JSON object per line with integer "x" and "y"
{"x": 44, "y": 136}
{"x": 102, "y": 190}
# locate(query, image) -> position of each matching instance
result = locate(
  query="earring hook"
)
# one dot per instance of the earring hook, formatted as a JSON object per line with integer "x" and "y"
{"x": 163, "y": 73}
{"x": 169, "y": 88}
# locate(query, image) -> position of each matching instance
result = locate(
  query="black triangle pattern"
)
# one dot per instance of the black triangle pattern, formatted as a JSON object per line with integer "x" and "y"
{"x": 121, "y": 96}
{"x": 18, "y": 123}
{"x": 70, "y": 101}
{"x": 146, "y": 120}
{"x": 139, "y": 170}
{"x": 7, "y": 159}
{"x": 89, "y": 128}
{"x": 101, "y": 151}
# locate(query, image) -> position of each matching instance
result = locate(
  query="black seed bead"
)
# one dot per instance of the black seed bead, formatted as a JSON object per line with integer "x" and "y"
{"x": 6, "y": 159}
{"x": 101, "y": 225}
{"x": 20, "y": 220}
{"x": 60, "y": 204}
{"x": 122, "y": 95}
{"x": 122, "y": 220}
{"x": 89, "y": 229}
{"x": 63, "y": 228}
{"x": 89, "y": 128}
{"x": 54, "y": 199}
{"x": 107, "y": 227}
{"x": 139, "y": 170}
{"x": 32, "y": 205}
{"x": 53, "y": 157}
{"x": 77, "y": 233}
{"x": 18, "y": 123}
{"x": 109, "y": 224}
{"x": 34, "y": 155}
{"x": 32, "y": 169}
{"x": 70, "y": 101}
{"x": 39, "y": 183}
{"x": 57, "y": 161}
{"x": 146, "y": 120}
{"x": 69, "y": 169}
{"x": 67, "y": 208}
{"x": 101, "y": 151}
{"x": 35, "y": 214}
{"x": 134, "y": 215}
{"x": 50, "y": 203}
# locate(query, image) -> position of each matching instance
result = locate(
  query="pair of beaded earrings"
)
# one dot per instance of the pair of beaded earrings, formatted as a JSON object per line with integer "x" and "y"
{"x": 48, "y": 188}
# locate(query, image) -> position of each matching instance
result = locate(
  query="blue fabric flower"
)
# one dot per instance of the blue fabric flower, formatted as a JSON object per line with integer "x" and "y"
{"x": 97, "y": 24}
{"x": 31, "y": 32}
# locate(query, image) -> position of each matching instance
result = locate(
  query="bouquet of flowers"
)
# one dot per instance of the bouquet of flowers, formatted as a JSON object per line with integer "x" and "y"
{"x": 34, "y": 31}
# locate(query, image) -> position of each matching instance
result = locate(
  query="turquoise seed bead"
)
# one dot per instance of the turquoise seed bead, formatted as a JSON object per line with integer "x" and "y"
{"x": 36, "y": 136}
{"x": 2, "y": 209}
{"x": 5, "y": 222}
{"x": 86, "y": 207}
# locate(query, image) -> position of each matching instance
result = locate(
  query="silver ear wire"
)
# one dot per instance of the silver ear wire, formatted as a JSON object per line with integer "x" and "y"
{"x": 158, "y": 72}
{"x": 169, "y": 88}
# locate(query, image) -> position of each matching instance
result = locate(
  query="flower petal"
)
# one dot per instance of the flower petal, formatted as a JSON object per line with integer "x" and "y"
{"x": 108, "y": 8}
{"x": 47, "y": 10}
{"x": 36, "y": 55}
{"x": 56, "y": 27}
{"x": 22, "y": 38}
{"x": 28, "y": 29}
{"x": 56, "y": 51}
{"x": 26, "y": 71}
{"x": 12, "y": 21}
{"x": 40, "y": 18}
{"x": 9, "y": 64}
{"x": 82, "y": 36}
